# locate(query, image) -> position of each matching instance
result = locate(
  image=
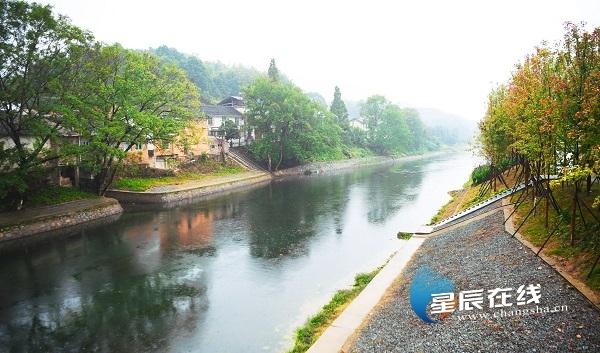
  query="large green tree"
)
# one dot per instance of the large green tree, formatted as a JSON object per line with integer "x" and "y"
{"x": 372, "y": 113}
{"x": 392, "y": 134}
{"x": 127, "y": 98}
{"x": 40, "y": 56}
{"x": 392, "y": 130}
{"x": 290, "y": 127}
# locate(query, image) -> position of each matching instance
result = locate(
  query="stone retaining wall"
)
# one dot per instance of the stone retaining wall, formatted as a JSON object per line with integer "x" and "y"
{"x": 330, "y": 166}
{"x": 147, "y": 197}
{"x": 67, "y": 219}
{"x": 324, "y": 167}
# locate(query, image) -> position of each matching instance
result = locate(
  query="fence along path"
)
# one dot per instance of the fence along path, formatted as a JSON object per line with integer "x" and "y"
{"x": 499, "y": 196}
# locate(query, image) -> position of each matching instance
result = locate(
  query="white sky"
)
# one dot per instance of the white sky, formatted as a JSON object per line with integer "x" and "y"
{"x": 439, "y": 54}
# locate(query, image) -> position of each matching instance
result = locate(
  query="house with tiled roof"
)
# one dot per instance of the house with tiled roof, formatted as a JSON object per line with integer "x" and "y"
{"x": 231, "y": 108}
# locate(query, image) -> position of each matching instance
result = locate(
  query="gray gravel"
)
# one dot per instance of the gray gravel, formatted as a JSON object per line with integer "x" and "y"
{"x": 481, "y": 255}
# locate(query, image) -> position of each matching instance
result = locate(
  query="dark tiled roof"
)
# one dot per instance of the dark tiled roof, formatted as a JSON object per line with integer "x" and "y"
{"x": 235, "y": 100}
{"x": 219, "y": 110}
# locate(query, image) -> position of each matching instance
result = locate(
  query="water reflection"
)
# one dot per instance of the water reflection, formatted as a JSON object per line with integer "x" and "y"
{"x": 91, "y": 294}
{"x": 282, "y": 223}
{"x": 232, "y": 274}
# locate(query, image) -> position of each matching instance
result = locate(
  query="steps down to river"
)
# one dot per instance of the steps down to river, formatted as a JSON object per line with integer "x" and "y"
{"x": 239, "y": 157}
{"x": 430, "y": 228}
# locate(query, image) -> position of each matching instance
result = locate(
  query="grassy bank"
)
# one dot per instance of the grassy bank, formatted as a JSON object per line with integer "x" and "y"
{"x": 307, "y": 334}
{"x": 143, "y": 184}
{"x": 575, "y": 259}
{"x": 54, "y": 195}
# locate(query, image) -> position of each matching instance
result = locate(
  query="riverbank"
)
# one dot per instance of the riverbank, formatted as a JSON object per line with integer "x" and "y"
{"x": 489, "y": 258}
{"x": 332, "y": 166}
{"x": 576, "y": 260}
{"x": 261, "y": 260}
{"x": 189, "y": 190}
{"x": 18, "y": 224}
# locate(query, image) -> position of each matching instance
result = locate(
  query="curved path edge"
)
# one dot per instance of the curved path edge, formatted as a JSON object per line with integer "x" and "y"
{"x": 337, "y": 334}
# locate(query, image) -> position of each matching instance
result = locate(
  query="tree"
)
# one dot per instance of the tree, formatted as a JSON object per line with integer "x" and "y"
{"x": 215, "y": 80}
{"x": 372, "y": 113}
{"x": 273, "y": 72}
{"x": 418, "y": 133}
{"x": 290, "y": 127}
{"x": 127, "y": 98}
{"x": 317, "y": 98}
{"x": 546, "y": 117}
{"x": 392, "y": 134}
{"x": 338, "y": 108}
{"x": 40, "y": 56}
{"x": 231, "y": 130}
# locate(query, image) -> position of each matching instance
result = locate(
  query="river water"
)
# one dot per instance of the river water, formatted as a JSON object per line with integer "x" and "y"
{"x": 234, "y": 274}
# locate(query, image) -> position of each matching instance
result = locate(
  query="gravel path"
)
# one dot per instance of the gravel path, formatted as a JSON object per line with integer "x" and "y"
{"x": 481, "y": 255}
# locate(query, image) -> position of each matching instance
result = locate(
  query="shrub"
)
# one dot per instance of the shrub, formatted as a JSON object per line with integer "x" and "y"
{"x": 481, "y": 174}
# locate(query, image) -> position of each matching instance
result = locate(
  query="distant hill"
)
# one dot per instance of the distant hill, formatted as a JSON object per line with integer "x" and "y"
{"x": 448, "y": 128}
{"x": 317, "y": 97}
{"x": 215, "y": 80}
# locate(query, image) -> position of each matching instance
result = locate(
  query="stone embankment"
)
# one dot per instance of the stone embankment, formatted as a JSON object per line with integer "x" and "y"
{"x": 331, "y": 166}
{"x": 19, "y": 224}
{"x": 188, "y": 191}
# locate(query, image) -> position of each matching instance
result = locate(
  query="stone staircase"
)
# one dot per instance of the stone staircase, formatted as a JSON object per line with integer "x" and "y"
{"x": 242, "y": 159}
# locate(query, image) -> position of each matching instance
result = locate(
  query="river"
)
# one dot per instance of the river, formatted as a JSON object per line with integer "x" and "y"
{"x": 235, "y": 274}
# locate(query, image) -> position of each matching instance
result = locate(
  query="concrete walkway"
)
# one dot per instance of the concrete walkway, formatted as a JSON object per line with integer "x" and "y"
{"x": 480, "y": 254}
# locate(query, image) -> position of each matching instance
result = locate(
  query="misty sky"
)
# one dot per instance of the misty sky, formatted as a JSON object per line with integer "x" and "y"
{"x": 440, "y": 54}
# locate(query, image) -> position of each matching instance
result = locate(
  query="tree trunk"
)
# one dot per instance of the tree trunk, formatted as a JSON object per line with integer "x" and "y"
{"x": 280, "y": 155}
{"x": 573, "y": 213}
{"x": 269, "y": 161}
{"x": 109, "y": 182}
{"x": 546, "y": 212}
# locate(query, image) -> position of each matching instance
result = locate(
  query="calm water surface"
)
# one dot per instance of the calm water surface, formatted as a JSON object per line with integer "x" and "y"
{"x": 233, "y": 274}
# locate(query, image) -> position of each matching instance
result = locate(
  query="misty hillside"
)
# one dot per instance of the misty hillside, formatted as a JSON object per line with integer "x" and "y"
{"x": 448, "y": 128}
{"x": 215, "y": 80}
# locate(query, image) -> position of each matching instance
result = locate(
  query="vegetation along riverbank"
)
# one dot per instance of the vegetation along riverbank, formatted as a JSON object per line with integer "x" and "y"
{"x": 308, "y": 333}
{"x": 540, "y": 125}
{"x": 100, "y": 119}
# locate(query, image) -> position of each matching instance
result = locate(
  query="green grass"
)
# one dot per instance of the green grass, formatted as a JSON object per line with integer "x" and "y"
{"x": 307, "y": 334}
{"x": 404, "y": 235}
{"x": 359, "y": 152}
{"x": 53, "y": 195}
{"x": 143, "y": 184}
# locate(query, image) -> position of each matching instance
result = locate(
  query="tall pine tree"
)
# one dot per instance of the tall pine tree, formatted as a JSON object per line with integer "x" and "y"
{"x": 273, "y": 71}
{"x": 338, "y": 108}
